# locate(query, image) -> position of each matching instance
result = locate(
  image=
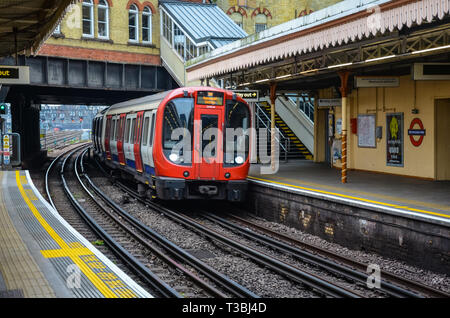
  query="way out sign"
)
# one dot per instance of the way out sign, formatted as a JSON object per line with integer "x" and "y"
{"x": 416, "y": 132}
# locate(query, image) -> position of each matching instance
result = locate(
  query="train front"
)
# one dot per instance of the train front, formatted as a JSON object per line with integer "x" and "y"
{"x": 202, "y": 145}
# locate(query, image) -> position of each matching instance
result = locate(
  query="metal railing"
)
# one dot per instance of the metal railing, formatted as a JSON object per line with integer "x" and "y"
{"x": 283, "y": 141}
{"x": 305, "y": 105}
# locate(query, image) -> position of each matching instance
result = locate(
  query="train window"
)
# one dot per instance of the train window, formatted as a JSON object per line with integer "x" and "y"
{"x": 116, "y": 130}
{"x": 113, "y": 126}
{"x": 127, "y": 130}
{"x": 236, "y": 139}
{"x": 210, "y": 125}
{"x": 133, "y": 131}
{"x": 178, "y": 126}
{"x": 146, "y": 123}
{"x": 152, "y": 130}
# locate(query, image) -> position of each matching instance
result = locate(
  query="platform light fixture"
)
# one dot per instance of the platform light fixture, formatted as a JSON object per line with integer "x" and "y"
{"x": 380, "y": 58}
{"x": 340, "y": 65}
{"x": 433, "y": 49}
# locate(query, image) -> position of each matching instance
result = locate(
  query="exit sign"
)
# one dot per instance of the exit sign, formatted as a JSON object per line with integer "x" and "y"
{"x": 14, "y": 74}
{"x": 248, "y": 95}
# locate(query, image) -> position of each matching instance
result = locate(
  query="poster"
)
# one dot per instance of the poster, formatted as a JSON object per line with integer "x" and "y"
{"x": 394, "y": 139}
{"x": 366, "y": 131}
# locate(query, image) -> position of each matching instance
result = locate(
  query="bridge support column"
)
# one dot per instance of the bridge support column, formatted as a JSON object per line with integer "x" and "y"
{"x": 26, "y": 122}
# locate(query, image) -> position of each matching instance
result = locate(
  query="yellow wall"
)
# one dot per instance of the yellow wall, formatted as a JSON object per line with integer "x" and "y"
{"x": 418, "y": 161}
{"x": 281, "y": 10}
{"x": 118, "y": 30}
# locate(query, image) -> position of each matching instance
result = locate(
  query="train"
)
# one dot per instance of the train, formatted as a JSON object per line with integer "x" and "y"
{"x": 186, "y": 143}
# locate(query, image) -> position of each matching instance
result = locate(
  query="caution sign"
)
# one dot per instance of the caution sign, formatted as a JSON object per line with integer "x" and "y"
{"x": 248, "y": 95}
{"x": 6, "y": 150}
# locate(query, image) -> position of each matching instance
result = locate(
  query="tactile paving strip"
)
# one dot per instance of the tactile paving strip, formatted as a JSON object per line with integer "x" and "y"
{"x": 84, "y": 270}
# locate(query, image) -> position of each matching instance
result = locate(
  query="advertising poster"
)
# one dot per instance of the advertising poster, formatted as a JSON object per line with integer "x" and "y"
{"x": 394, "y": 139}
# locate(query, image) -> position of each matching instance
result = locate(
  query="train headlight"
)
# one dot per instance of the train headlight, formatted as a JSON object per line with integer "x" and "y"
{"x": 239, "y": 160}
{"x": 174, "y": 157}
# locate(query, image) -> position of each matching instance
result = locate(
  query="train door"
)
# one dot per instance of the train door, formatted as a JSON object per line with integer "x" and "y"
{"x": 107, "y": 137}
{"x": 137, "y": 142}
{"x": 113, "y": 138}
{"x": 128, "y": 145}
{"x": 120, "y": 151}
{"x": 208, "y": 142}
{"x": 147, "y": 142}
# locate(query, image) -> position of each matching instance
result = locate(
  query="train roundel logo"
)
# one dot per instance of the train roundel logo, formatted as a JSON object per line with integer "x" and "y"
{"x": 413, "y": 132}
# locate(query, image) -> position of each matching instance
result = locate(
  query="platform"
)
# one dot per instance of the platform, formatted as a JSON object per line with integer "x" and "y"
{"x": 403, "y": 218}
{"x": 416, "y": 198}
{"x": 42, "y": 256}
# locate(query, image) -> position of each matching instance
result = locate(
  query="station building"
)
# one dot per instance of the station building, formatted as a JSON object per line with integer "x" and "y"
{"x": 106, "y": 30}
{"x": 257, "y": 15}
{"x": 378, "y": 73}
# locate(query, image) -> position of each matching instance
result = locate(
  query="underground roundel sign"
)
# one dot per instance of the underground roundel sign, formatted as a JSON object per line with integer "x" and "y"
{"x": 415, "y": 133}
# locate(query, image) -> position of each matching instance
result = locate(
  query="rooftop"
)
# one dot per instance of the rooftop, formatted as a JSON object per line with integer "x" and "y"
{"x": 203, "y": 22}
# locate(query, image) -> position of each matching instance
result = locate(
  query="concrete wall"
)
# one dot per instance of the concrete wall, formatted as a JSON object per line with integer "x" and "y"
{"x": 72, "y": 44}
{"x": 280, "y": 10}
{"x": 418, "y": 161}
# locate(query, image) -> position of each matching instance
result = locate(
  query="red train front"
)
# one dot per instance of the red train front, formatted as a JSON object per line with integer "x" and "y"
{"x": 200, "y": 143}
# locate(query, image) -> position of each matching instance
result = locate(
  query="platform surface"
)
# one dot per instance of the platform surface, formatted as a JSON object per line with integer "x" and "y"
{"x": 42, "y": 256}
{"x": 413, "y": 197}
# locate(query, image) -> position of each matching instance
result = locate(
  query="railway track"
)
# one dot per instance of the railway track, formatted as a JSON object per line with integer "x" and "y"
{"x": 133, "y": 243}
{"x": 338, "y": 266}
{"x": 393, "y": 285}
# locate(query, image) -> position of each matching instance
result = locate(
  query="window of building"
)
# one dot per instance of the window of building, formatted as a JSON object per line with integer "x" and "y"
{"x": 167, "y": 27}
{"x": 103, "y": 19}
{"x": 147, "y": 25}
{"x": 88, "y": 18}
{"x": 179, "y": 41}
{"x": 260, "y": 23}
{"x": 57, "y": 29}
{"x": 133, "y": 23}
{"x": 237, "y": 18}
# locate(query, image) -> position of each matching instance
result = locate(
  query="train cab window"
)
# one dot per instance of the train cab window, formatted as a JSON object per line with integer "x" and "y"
{"x": 146, "y": 124}
{"x": 236, "y": 139}
{"x": 178, "y": 126}
{"x": 127, "y": 130}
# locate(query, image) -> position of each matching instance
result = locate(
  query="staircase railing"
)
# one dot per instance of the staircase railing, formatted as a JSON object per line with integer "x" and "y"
{"x": 283, "y": 141}
{"x": 305, "y": 106}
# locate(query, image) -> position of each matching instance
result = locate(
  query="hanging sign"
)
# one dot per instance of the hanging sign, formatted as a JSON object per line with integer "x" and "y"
{"x": 394, "y": 139}
{"x": 248, "y": 95}
{"x": 412, "y": 132}
{"x": 377, "y": 81}
{"x": 14, "y": 74}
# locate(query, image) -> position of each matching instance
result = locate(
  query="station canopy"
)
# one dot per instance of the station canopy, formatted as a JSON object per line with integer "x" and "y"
{"x": 351, "y": 34}
{"x": 26, "y": 24}
{"x": 203, "y": 22}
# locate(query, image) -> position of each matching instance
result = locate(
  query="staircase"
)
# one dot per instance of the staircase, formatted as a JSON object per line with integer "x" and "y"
{"x": 291, "y": 146}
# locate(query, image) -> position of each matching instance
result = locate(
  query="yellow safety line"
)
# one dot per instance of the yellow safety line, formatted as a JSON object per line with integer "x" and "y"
{"x": 66, "y": 250}
{"x": 351, "y": 197}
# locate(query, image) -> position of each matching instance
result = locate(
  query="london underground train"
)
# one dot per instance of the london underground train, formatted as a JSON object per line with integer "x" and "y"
{"x": 187, "y": 143}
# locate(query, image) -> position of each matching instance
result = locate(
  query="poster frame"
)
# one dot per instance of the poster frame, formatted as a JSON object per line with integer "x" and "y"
{"x": 402, "y": 139}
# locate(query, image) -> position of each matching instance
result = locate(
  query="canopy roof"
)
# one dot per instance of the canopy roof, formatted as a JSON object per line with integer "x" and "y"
{"x": 203, "y": 22}
{"x": 26, "y": 24}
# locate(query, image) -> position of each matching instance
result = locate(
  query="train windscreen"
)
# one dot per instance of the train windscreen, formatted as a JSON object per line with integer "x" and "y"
{"x": 178, "y": 130}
